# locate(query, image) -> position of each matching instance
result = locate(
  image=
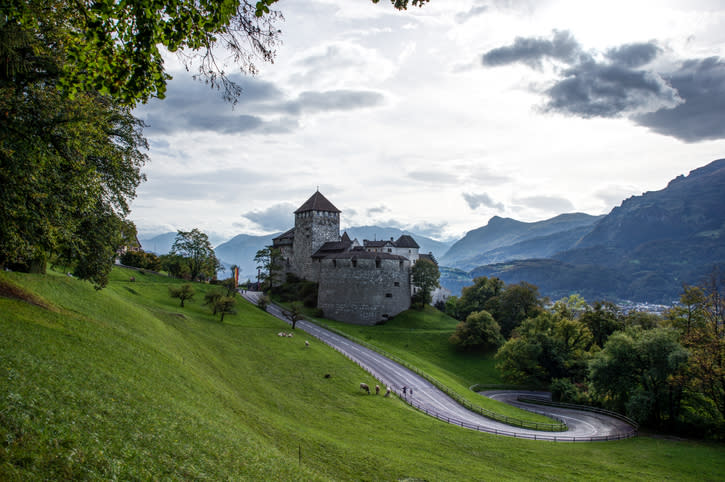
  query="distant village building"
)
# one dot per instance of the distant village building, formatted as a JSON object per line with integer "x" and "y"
{"x": 362, "y": 284}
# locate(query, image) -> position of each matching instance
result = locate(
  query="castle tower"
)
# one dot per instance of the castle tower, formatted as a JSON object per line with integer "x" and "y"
{"x": 317, "y": 222}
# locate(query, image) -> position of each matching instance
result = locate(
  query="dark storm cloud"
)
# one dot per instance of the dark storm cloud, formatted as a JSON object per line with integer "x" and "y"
{"x": 532, "y": 51}
{"x": 483, "y": 199}
{"x": 592, "y": 89}
{"x": 193, "y": 106}
{"x": 278, "y": 217}
{"x": 701, "y": 83}
{"x": 688, "y": 104}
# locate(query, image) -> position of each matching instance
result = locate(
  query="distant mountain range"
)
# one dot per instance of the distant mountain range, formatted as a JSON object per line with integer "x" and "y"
{"x": 240, "y": 250}
{"x": 643, "y": 250}
{"x": 504, "y": 239}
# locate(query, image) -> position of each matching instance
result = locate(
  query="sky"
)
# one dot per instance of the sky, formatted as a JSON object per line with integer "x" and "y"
{"x": 438, "y": 118}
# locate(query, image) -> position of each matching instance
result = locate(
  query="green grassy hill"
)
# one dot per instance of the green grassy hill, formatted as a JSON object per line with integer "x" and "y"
{"x": 122, "y": 383}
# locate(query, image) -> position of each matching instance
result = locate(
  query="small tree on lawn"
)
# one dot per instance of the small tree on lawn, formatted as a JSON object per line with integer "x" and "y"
{"x": 183, "y": 292}
{"x": 212, "y": 297}
{"x": 263, "y": 302}
{"x": 224, "y": 305}
{"x": 294, "y": 314}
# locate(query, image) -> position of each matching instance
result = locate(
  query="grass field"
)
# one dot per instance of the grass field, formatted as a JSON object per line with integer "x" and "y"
{"x": 124, "y": 384}
{"x": 420, "y": 338}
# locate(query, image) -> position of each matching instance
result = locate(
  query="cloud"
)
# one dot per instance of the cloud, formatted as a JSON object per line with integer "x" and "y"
{"x": 221, "y": 185}
{"x": 278, "y": 217}
{"x": 434, "y": 177}
{"x": 334, "y": 100}
{"x": 430, "y": 230}
{"x": 192, "y": 106}
{"x": 483, "y": 199}
{"x": 592, "y": 89}
{"x": 474, "y": 11}
{"x": 634, "y": 55}
{"x": 547, "y": 203}
{"x": 687, "y": 103}
{"x": 701, "y": 83}
{"x": 376, "y": 210}
{"x": 532, "y": 51}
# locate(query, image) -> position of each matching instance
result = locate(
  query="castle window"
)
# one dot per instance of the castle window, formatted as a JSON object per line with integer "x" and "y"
{"x": 397, "y": 283}
{"x": 334, "y": 263}
{"x": 377, "y": 262}
{"x": 388, "y": 295}
{"x": 354, "y": 263}
{"x": 400, "y": 263}
{"x": 390, "y": 250}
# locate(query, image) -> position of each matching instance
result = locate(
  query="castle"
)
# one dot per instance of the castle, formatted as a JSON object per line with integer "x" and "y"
{"x": 362, "y": 284}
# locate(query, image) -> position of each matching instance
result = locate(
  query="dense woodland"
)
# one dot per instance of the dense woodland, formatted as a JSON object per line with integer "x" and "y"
{"x": 667, "y": 372}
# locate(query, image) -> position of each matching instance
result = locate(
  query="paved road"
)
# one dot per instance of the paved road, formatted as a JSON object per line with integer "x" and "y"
{"x": 582, "y": 426}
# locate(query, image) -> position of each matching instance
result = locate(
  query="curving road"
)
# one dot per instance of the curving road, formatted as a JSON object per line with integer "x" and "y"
{"x": 582, "y": 426}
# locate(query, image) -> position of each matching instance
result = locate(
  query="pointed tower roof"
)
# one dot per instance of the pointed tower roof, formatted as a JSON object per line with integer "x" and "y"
{"x": 317, "y": 202}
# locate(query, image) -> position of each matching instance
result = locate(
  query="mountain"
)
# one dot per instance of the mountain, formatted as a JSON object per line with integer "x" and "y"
{"x": 240, "y": 250}
{"x": 160, "y": 244}
{"x": 504, "y": 239}
{"x": 427, "y": 245}
{"x": 643, "y": 250}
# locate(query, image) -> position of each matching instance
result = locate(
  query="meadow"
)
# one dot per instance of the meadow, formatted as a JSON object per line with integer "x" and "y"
{"x": 122, "y": 383}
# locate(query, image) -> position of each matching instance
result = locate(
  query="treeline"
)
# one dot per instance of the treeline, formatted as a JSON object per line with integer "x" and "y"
{"x": 667, "y": 372}
{"x": 192, "y": 258}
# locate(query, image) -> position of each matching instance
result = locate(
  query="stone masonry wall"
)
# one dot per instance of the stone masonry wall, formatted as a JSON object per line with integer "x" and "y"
{"x": 363, "y": 294}
{"x": 312, "y": 230}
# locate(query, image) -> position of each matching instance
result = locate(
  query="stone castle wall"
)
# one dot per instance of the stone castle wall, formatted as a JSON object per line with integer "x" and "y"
{"x": 363, "y": 291}
{"x": 312, "y": 230}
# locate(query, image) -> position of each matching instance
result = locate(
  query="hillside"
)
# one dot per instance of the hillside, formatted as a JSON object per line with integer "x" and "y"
{"x": 503, "y": 239}
{"x": 123, "y": 384}
{"x": 643, "y": 250}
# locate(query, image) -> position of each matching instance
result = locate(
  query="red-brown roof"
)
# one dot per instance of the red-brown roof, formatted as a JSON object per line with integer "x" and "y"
{"x": 317, "y": 202}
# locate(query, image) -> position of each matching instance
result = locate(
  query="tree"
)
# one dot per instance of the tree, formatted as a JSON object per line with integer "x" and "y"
{"x": 479, "y": 296}
{"x": 425, "y": 276}
{"x": 571, "y": 307}
{"x": 294, "y": 314}
{"x": 69, "y": 167}
{"x": 603, "y": 319}
{"x": 268, "y": 261}
{"x": 224, "y": 305}
{"x": 639, "y": 372}
{"x": 175, "y": 265}
{"x": 545, "y": 348}
{"x": 115, "y": 48}
{"x": 479, "y": 332}
{"x": 262, "y": 302}
{"x": 195, "y": 248}
{"x": 698, "y": 318}
{"x": 183, "y": 292}
{"x": 515, "y": 304}
{"x": 212, "y": 297}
